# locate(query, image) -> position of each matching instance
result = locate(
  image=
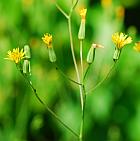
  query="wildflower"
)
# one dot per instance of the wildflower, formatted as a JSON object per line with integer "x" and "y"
{"x": 137, "y": 47}
{"x": 120, "y": 40}
{"x": 16, "y": 55}
{"x": 91, "y": 52}
{"x": 81, "y": 34}
{"x": 47, "y": 39}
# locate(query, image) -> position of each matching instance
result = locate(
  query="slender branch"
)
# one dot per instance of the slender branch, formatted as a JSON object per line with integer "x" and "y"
{"x": 47, "y": 108}
{"x": 81, "y": 87}
{"x": 74, "y": 60}
{"x": 98, "y": 84}
{"x": 61, "y": 10}
{"x": 81, "y": 58}
{"x": 65, "y": 76}
{"x": 73, "y": 7}
{"x": 86, "y": 72}
{"x": 83, "y": 115}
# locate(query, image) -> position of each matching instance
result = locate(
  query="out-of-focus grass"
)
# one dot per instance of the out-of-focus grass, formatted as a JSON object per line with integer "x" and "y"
{"x": 112, "y": 111}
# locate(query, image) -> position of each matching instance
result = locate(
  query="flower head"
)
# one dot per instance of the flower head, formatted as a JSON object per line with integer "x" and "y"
{"x": 137, "y": 47}
{"x": 83, "y": 12}
{"x": 47, "y": 39}
{"x": 120, "y": 40}
{"x": 16, "y": 55}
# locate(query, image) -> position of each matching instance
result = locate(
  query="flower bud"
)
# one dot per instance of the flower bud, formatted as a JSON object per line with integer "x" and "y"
{"x": 91, "y": 52}
{"x": 116, "y": 55}
{"x": 91, "y": 55}
{"x": 26, "y": 67}
{"x": 27, "y": 52}
{"x": 52, "y": 55}
{"x": 81, "y": 34}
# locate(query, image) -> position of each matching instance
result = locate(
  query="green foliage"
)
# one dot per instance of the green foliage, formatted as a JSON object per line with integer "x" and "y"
{"x": 112, "y": 111}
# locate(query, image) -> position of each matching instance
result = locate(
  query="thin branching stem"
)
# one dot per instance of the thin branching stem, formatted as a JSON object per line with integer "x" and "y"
{"x": 107, "y": 75}
{"x": 81, "y": 59}
{"x": 65, "y": 76}
{"x": 81, "y": 135}
{"x": 47, "y": 108}
{"x": 61, "y": 10}
{"x": 74, "y": 60}
{"x": 73, "y": 7}
{"x": 80, "y": 80}
{"x": 86, "y": 72}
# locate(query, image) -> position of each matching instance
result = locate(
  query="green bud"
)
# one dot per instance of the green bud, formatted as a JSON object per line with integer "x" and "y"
{"x": 52, "y": 55}
{"x": 116, "y": 55}
{"x": 91, "y": 55}
{"x": 81, "y": 34}
{"x": 26, "y": 67}
{"x": 27, "y": 52}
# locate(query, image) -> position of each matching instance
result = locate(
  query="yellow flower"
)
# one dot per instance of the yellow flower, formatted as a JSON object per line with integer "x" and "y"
{"x": 47, "y": 39}
{"x": 15, "y": 55}
{"x": 83, "y": 12}
{"x": 137, "y": 47}
{"x": 120, "y": 40}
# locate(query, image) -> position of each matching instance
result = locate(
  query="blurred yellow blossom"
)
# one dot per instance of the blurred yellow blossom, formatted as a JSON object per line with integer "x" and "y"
{"x": 120, "y": 12}
{"x": 137, "y": 47}
{"x": 83, "y": 12}
{"x": 106, "y": 3}
{"x": 47, "y": 39}
{"x": 120, "y": 40}
{"x": 16, "y": 55}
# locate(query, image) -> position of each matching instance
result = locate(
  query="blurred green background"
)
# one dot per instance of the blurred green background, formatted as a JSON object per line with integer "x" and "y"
{"x": 112, "y": 111}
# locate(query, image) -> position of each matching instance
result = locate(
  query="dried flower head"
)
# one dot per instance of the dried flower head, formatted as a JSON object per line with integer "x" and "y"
{"x": 120, "y": 40}
{"x": 137, "y": 47}
{"x": 47, "y": 39}
{"x": 97, "y": 46}
{"x": 83, "y": 12}
{"x": 16, "y": 55}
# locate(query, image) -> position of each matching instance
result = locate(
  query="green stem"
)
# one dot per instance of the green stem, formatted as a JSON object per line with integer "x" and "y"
{"x": 65, "y": 76}
{"x": 61, "y": 10}
{"x": 47, "y": 108}
{"x": 86, "y": 72}
{"x": 81, "y": 135}
{"x": 81, "y": 58}
{"x": 81, "y": 88}
{"x": 98, "y": 84}
{"x": 73, "y": 7}
{"x": 74, "y": 59}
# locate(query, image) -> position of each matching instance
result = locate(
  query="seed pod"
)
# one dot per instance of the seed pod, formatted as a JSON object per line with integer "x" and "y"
{"x": 91, "y": 55}
{"x": 116, "y": 55}
{"x": 26, "y": 67}
{"x": 27, "y": 52}
{"x": 52, "y": 55}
